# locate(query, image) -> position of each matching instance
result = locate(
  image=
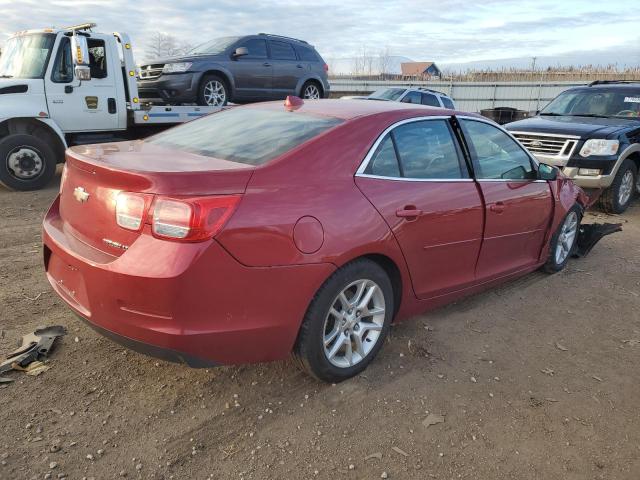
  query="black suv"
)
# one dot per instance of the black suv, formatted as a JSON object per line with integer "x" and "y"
{"x": 593, "y": 134}
{"x": 237, "y": 69}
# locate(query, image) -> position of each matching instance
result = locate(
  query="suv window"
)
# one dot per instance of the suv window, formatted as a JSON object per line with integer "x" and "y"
{"x": 244, "y": 135}
{"x": 282, "y": 51}
{"x": 426, "y": 150}
{"x": 430, "y": 99}
{"x": 63, "y": 66}
{"x": 97, "y": 58}
{"x": 412, "y": 97}
{"x": 447, "y": 103}
{"x": 496, "y": 154}
{"x": 257, "y": 48}
{"x": 307, "y": 54}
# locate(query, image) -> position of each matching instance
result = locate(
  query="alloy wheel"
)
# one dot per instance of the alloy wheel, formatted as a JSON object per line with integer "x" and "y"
{"x": 353, "y": 325}
{"x": 215, "y": 94}
{"x": 567, "y": 237}
{"x": 311, "y": 92}
{"x": 25, "y": 163}
{"x": 626, "y": 188}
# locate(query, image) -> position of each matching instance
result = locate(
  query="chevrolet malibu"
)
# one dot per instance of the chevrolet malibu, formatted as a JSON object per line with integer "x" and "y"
{"x": 308, "y": 228}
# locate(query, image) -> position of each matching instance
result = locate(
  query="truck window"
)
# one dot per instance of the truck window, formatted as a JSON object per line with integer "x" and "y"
{"x": 97, "y": 58}
{"x": 63, "y": 66}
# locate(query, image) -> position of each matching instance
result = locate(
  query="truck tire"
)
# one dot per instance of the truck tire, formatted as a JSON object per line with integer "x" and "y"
{"x": 213, "y": 91}
{"x": 617, "y": 198}
{"x": 26, "y": 162}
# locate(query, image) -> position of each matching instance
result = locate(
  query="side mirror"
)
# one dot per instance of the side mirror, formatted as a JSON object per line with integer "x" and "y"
{"x": 547, "y": 172}
{"x": 80, "y": 54}
{"x": 241, "y": 52}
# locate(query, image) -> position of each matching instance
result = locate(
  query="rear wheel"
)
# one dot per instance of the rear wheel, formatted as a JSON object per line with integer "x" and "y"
{"x": 213, "y": 91}
{"x": 347, "y": 322}
{"x": 617, "y": 198}
{"x": 311, "y": 91}
{"x": 563, "y": 242}
{"x": 27, "y": 162}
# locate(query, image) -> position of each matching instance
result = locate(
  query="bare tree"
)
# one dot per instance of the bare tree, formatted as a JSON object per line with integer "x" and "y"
{"x": 384, "y": 61}
{"x": 165, "y": 45}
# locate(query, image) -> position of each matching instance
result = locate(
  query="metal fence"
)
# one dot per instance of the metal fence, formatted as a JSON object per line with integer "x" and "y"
{"x": 469, "y": 96}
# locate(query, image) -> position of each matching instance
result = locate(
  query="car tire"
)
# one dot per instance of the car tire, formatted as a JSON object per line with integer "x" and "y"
{"x": 26, "y": 162}
{"x": 213, "y": 91}
{"x": 311, "y": 91}
{"x": 564, "y": 240}
{"x": 348, "y": 331}
{"x": 618, "y": 197}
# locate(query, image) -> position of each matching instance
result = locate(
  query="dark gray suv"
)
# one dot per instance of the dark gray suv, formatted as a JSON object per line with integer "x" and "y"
{"x": 237, "y": 69}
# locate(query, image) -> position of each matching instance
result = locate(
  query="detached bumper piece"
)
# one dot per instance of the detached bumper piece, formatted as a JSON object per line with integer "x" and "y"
{"x": 35, "y": 346}
{"x": 592, "y": 233}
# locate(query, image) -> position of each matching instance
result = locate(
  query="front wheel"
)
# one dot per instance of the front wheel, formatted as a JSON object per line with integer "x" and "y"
{"x": 563, "y": 242}
{"x": 617, "y": 198}
{"x": 213, "y": 92}
{"x": 347, "y": 322}
{"x": 26, "y": 162}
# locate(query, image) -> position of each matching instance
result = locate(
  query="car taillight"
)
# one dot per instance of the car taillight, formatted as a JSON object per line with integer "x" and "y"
{"x": 130, "y": 210}
{"x": 326, "y": 67}
{"x": 192, "y": 219}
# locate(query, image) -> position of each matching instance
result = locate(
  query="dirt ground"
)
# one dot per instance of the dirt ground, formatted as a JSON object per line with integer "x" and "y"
{"x": 537, "y": 379}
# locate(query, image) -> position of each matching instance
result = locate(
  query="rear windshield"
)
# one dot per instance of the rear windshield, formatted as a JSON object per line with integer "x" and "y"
{"x": 244, "y": 135}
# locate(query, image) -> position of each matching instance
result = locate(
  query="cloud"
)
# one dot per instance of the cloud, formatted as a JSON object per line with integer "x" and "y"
{"x": 453, "y": 30}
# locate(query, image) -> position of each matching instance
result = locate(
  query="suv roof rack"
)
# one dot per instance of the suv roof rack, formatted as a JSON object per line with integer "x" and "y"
{"x": 605, "y": 82}
{"x": 425, "y": 89}
{"x": 282, "y": 36}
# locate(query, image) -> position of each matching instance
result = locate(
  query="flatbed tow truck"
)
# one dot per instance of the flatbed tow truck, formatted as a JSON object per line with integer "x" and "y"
{"x": 70, "y": 86}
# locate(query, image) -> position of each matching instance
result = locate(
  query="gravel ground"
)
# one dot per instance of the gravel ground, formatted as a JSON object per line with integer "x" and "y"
{"x": 535, "y": 379}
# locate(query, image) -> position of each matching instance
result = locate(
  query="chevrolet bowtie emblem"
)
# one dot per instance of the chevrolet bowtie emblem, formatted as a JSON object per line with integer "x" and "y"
{"x": 80, "y": 194}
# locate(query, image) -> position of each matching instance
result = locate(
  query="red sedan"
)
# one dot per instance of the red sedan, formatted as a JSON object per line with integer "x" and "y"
{"x": 308, "y": 228}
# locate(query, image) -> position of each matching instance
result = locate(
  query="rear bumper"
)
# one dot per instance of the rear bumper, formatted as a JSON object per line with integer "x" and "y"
{"x": 192, "y": 303}
{"x": 175, "y": 87}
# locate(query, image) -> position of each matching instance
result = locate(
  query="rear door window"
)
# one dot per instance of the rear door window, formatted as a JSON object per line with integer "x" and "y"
{"x": 282, "y": 51}
{"x": 244, "y": 135}
{"x": 496, "y": 155}
{"x": 384, "y": 162}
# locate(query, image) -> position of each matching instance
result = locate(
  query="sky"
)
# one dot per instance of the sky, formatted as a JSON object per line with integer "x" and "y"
{"x": 445, "y": 31}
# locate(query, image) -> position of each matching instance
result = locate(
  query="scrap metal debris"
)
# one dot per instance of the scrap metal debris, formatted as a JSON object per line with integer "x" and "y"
{"x": 592, "y": 233}
{"x": 35, "y": 346}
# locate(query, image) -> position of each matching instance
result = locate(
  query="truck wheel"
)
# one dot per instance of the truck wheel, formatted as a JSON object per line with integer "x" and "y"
{"x": 617, "y": 198}
{"x": 27, "y": 162}
{"x": 346, "y": 323}
{"x": 563, "y": 242}
{"x": 213, "y": 91}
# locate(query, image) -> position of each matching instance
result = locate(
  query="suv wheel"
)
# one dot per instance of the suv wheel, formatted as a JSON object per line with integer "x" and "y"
{"x": 618, "y": 196}
{"x": 347, "y": 322}
{"x": 311, "y": 91}
{"x": 213, "y": 92}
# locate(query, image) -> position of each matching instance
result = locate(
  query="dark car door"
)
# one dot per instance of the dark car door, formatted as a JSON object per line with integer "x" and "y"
{"x": 287, "y": 69}
{"x": 518, "y": 206}
{"x": 252, "y": 73}
{"x": 417, "y": 180}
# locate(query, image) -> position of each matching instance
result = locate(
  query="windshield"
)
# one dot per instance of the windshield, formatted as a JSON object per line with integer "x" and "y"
{"x": 213, "y": 47}
{"x": 593, "y": 102}
{"x": 244, "y": 135}
{"x": 388, "y": 93}
{"x": 26, "y": 56}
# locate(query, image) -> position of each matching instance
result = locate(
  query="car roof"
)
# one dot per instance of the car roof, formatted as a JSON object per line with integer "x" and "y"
{"x": 346, "y": 109}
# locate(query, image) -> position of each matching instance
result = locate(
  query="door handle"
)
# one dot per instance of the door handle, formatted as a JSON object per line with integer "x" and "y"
{"x": 497, "y": 207}
{"x": 266, "y": 64}
{"x": 408, "y": 212}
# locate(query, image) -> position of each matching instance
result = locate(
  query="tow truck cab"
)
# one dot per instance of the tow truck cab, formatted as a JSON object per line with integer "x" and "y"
{"x": 64, "y": 87}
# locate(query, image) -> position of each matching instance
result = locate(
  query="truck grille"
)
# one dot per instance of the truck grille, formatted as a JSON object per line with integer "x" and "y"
{"x": 547, "y": 144}
{"x": 148, "y": 72}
